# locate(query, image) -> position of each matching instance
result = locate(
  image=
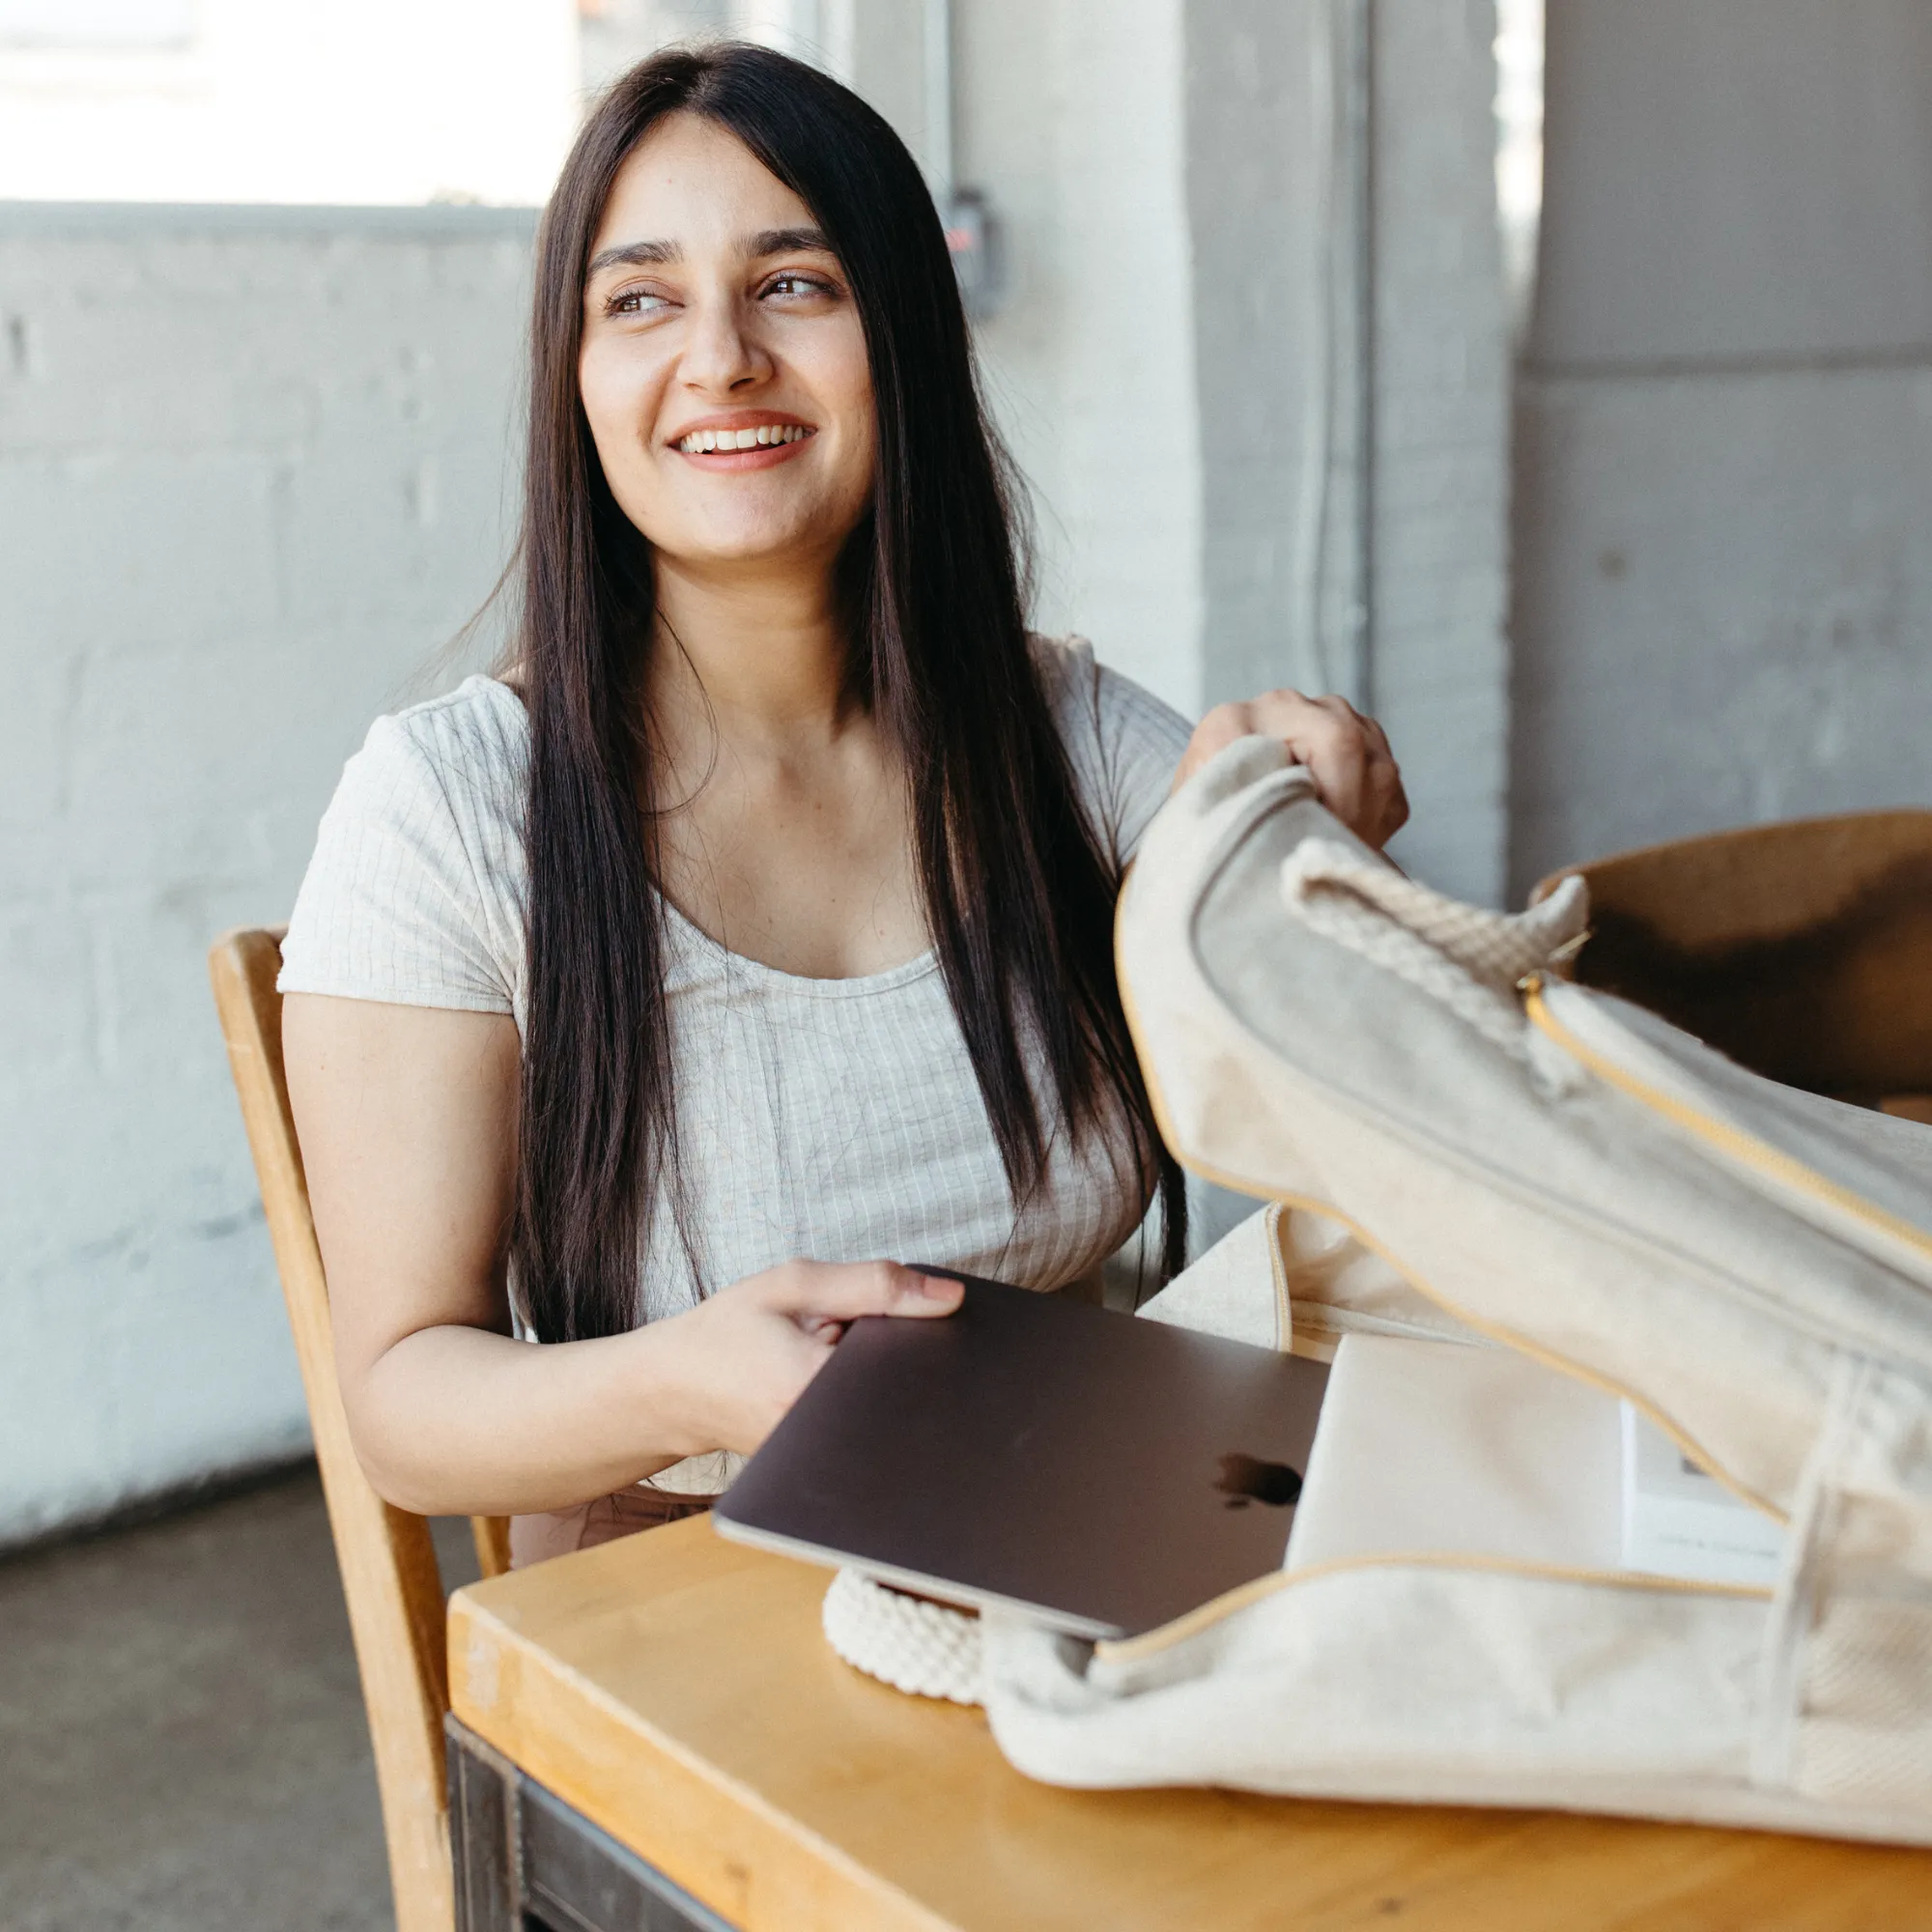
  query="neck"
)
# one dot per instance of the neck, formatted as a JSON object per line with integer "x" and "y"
{"x": 756, "y": 656}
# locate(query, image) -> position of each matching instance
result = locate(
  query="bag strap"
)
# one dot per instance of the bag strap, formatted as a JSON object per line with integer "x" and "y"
{"x": 1468, "y": 959}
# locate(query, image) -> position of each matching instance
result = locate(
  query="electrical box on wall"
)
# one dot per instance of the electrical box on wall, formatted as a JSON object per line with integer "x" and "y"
{"x": 972, "y": 239}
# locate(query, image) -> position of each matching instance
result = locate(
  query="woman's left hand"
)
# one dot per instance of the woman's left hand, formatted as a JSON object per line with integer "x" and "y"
{"x": 1347, "y": 754}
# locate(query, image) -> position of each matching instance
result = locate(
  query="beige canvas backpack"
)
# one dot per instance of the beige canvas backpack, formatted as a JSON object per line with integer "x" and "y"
{"x": 1458, "y": 1144}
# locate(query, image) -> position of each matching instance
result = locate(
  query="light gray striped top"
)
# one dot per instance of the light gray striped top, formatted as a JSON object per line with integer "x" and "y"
{"x": 837, "y": 1119}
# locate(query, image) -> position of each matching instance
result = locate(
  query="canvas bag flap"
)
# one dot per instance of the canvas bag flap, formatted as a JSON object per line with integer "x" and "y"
{"x": 1295, "y": 1280}
{"x": 1779, "y": 1328}
{"x": 1497, "y": 1171}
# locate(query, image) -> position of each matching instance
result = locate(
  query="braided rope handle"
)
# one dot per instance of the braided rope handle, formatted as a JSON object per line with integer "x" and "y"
{"x": 1468, "y": 959}
{"x": 928, "y": 1649}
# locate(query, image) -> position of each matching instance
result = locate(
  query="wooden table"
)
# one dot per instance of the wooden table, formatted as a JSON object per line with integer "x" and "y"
{"x": 655, "y": 1735}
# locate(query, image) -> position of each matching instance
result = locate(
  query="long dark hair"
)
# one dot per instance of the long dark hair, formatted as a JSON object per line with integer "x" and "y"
{"x": 1018, "y": 892}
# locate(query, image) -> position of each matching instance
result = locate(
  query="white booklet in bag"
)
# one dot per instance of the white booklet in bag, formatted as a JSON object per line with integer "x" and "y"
{"x": 1679, "y": 1520}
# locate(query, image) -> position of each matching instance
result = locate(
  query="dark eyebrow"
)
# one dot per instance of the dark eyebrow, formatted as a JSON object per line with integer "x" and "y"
{"x": 786, "y": 240}
{"x": 657, "y": 254}
{"x": 634, "y": 253}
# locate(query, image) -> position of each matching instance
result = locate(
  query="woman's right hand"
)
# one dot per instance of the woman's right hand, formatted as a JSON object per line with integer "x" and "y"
{"x": 746, "y": 1353}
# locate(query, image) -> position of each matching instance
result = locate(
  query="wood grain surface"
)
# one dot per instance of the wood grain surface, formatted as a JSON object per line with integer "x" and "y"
{"x": 676, "y": 1689}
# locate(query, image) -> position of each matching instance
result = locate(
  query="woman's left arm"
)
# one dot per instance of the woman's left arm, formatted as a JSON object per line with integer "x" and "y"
{"x": 1347, "y": 754}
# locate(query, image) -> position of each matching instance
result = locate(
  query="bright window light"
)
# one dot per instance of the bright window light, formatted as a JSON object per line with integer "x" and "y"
{"x": 96, "y": 23}
{"x": 287, "y": 100}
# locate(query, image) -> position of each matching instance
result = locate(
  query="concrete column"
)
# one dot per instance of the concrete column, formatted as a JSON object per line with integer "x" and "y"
{"x": 1072, "y": 115}
{"x": 1274, "y": 172}
{"x": 1439, "y": 652}
{"x": 1354, "y": 484}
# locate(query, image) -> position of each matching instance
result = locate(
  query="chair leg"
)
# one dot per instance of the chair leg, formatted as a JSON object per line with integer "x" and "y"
{"x": 493, "y": 1544}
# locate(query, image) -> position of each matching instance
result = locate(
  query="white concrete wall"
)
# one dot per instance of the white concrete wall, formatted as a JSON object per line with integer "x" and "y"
{"x": 1723, "y": 606}
{"x": 253, "y": 474}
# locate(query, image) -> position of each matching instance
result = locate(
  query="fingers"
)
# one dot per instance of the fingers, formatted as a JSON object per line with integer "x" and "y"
{"x": 749, "y": 1351}
{"x": 1383, "y": 807}
{"x": 819, "y": 1293}
{"x": 1212, "y": 734}
{"x": 1347, "y": 754}
{"x": 1325, "y": 735}
{"x": 1394, "y": 806}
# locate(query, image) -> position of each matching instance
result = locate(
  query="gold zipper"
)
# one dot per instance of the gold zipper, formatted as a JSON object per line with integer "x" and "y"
{"x": 1151, "y": 1643}
{"x": 1744, "y": 1148}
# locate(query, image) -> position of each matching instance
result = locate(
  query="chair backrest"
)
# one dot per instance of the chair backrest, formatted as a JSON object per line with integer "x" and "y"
{"x": 1803, "y": 950}
{"x": 387, "y": 1561}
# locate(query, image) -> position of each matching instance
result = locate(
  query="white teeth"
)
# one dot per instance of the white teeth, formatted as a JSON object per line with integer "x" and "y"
{"x": 701, "y": 441}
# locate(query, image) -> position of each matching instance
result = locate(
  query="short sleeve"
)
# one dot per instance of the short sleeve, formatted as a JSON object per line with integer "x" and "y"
{"x": 391, "y": 907}
{"x": 1122, "y": 741}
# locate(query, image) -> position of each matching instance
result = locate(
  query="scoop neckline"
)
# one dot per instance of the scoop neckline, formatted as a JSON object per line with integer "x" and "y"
{"x": 852, "y": 987}
{"x": 855, "y": 987}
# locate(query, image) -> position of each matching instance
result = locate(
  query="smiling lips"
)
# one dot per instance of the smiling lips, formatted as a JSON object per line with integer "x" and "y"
{"x": 740, "y": 445}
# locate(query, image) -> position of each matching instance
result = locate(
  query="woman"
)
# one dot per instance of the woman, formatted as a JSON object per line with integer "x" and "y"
{"x": 763, "y": 908}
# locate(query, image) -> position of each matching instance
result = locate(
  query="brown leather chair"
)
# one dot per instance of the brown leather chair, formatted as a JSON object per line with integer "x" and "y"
{"x": 387, "y": 1562}
{"x": 1803, "y": 950}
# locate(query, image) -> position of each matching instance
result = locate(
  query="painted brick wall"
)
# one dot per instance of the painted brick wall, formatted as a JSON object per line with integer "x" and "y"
{"x": 253, "y": 474}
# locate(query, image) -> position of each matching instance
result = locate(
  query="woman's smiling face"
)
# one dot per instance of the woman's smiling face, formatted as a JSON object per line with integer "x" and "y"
{"x": 723, "y": 369}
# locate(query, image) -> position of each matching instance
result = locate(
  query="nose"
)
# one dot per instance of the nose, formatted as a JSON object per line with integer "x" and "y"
{"x": 723, "y": 354}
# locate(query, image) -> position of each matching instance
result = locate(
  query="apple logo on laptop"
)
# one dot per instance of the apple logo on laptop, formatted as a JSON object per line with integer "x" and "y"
{"x": 1245, "y": 1479}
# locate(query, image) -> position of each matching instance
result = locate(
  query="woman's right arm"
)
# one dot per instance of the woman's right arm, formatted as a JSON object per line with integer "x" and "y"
{"x": 407, "y": 1122}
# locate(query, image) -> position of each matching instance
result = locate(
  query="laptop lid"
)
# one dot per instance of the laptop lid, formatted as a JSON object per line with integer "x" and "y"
{"x": 1100, "y": 1474}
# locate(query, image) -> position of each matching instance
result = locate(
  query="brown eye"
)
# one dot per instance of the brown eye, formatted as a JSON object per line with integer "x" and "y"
{"x": 635, "y": 302}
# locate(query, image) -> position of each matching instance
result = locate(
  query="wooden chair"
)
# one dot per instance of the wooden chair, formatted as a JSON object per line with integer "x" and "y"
{"x": 1801, "y": 949}
{"x": 388, "y": 1565}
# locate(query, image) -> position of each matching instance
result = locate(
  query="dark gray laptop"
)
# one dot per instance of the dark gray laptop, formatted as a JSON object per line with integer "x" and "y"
{"x": 1094, "y": 1472}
